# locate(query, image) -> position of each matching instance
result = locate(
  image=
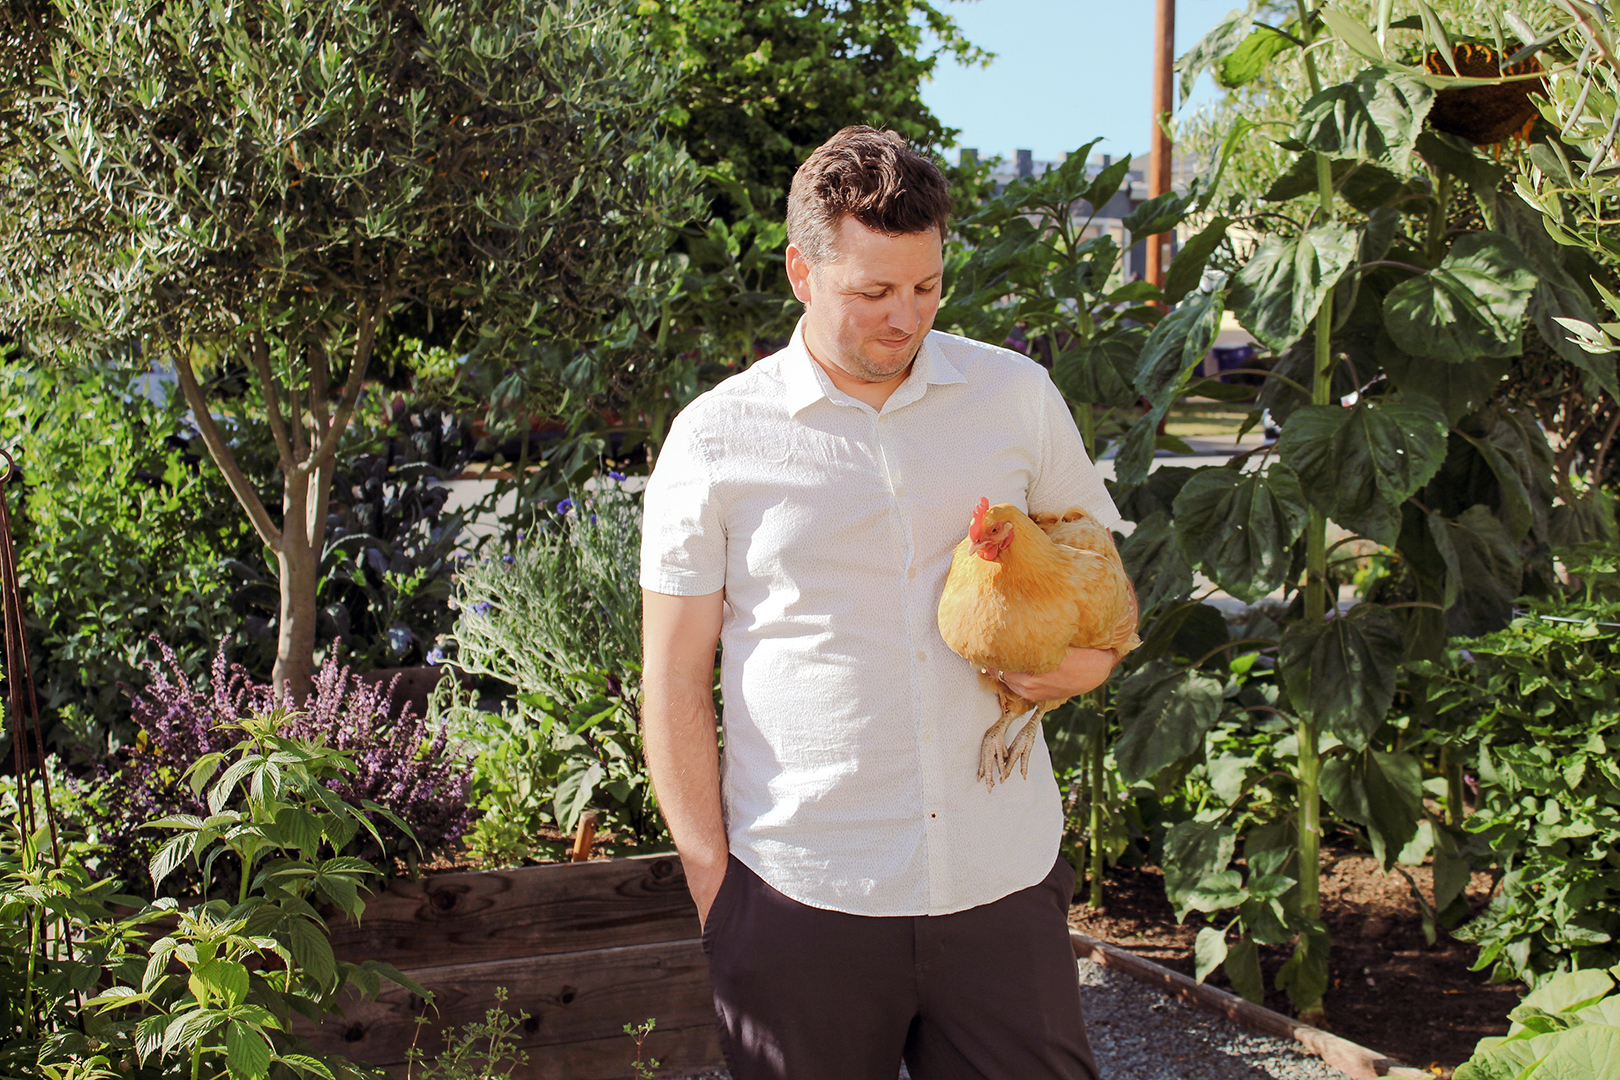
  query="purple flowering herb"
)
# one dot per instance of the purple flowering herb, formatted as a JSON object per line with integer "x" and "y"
{"x": 565, "y": 505}
{"x": 615, "y": 475}
{"x": 482, "y": 607}
{"x": 399, "y": 762}
{"x": 507, "y": 559}
{"x": 435, "y": 656}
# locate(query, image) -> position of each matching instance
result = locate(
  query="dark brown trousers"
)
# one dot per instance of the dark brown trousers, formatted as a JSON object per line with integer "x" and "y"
{"x": 802, "y": 993}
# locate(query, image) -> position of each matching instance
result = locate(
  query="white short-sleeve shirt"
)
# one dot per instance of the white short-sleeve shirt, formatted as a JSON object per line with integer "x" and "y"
{"x": 852, "y": 732}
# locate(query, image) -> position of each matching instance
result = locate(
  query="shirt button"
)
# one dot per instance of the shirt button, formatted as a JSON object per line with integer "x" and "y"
{"x": 912, "y": 573}
{"x": 921, "y": 656}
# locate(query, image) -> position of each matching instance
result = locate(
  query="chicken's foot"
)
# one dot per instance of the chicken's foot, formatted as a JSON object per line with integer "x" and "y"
{"x": 993, "y": 753}
{"x": 1022, "y": 744}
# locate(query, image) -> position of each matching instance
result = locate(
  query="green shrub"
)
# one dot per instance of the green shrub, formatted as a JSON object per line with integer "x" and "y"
{"x": 122, "y": 532}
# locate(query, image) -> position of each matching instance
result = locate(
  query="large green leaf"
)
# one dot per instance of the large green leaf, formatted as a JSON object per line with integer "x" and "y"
{"x": 1305, "y": 974}
{"x": 1488, "y": 569}
{"x": 1448, "y": 154}
{"x": 1278, "y": 291}
{"x": 247, "y": 1052}
{"x": 1187, "y": 268}
{"x": 575, "y": 786}
{"x": 1459, "y": 389}
{"x": 1221, "y": 41}
{"x": 1164, "y": 709}
{"x": 1197, "y": 855}
{"x": 1358, "y": 465}
{"x": 1155, "y": 562}
{"x": 1590, "y": 1050}
{"x": 1101, "y": 372}
{"x": 1558, "y": 294}
{"x": 1363, "y": 185}
{"x": 1107, "y": 182}
{"x": 1209, "y": 952}
{"x": 1245, "y": 63}
{"x": 1178, "y": 343}
{"x": 1159, "y": 214}
{"x": 1381, "y": 791}
{"x": 1375, "y": 117}
{"x": 1341, "y": 672}
{"x": 1156, "y": 492}
{"x": 1240, "y": 526}
{"x": 1473, "y": 304}
{"x": 1243, "y": 970}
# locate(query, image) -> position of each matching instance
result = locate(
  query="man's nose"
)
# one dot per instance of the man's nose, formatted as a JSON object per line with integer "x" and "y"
{"x": 905, "y": 314}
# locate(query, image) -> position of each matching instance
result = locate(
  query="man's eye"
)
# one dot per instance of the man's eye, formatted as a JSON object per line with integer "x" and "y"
{"x": 926, "y": 289}
{"x": 876, "y": 296}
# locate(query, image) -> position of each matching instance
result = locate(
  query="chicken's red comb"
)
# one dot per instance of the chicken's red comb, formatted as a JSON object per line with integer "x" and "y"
{"x": 976, "y": 526}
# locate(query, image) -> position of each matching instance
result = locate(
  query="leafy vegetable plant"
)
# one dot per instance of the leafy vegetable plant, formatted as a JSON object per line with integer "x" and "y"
{"x": 1537, "y": 706}
{"x": 1568, "y": 1029}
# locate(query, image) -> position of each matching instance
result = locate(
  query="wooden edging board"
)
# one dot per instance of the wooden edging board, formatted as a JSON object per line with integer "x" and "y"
{"x": 1355, "y": 1061}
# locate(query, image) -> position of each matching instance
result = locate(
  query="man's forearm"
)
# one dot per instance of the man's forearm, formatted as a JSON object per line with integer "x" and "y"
{"x": 679, "y": 634}
{"x": 683, "y": 759}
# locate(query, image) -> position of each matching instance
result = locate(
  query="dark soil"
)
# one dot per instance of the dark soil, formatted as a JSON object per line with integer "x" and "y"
{"x": 1390, "y": 990}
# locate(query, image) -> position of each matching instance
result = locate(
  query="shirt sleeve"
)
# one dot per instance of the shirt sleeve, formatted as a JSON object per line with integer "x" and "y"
{"x": 1067, "y": 476}
{"x": 683, "y": 541}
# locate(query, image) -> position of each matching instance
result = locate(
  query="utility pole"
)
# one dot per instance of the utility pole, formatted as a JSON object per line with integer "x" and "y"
{"x": 1164, "y": 58}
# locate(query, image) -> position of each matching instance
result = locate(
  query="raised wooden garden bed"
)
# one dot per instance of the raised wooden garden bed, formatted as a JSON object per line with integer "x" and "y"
{"x": 582, "y": 948}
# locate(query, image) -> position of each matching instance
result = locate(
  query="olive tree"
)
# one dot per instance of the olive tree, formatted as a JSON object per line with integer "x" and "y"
{"x": 268, "y": 186}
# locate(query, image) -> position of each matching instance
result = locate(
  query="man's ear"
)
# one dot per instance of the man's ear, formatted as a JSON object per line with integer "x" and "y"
{"x": 799, "y": 271}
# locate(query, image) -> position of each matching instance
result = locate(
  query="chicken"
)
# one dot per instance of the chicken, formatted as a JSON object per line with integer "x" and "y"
{"x": 1021, "y": 592}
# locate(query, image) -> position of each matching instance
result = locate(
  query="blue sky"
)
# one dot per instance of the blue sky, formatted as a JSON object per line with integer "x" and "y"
{"x": 1065, "y": 72}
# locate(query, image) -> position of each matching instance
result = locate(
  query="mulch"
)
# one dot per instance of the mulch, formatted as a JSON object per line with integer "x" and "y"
{"x": 1390, "y": 989}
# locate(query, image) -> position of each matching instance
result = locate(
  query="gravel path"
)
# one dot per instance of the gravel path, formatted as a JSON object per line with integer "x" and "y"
{"x": 1138, "y": 1033}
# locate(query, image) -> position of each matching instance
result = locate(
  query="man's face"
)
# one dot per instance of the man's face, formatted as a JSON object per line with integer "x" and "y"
{"x": 868, "y": 312}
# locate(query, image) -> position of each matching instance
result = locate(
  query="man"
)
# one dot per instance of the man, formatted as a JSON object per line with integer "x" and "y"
{"x": 864, "y": 898}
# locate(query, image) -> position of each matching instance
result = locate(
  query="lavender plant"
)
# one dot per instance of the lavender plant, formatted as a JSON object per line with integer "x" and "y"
{"x": 558, "y": 620}
{"x": 405, "y": 767}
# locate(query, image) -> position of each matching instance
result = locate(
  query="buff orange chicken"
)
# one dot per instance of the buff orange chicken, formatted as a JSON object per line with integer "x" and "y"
{"x": 1021, "y": 592}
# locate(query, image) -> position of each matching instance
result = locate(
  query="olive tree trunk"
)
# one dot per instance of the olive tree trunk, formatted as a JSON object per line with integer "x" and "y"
{"x": 306, "y": 438}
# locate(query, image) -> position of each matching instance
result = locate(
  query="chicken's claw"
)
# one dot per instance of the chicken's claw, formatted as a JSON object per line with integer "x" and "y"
{"x": 992, "y": 760}
{"x": 1021, "y": 746}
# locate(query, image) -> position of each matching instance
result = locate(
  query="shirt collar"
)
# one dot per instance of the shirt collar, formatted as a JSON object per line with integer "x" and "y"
{"x": 805, "y": 383}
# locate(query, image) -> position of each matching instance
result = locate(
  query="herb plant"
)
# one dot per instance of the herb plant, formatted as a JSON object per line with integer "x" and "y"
{"x": 208, "y": 992}
{"x": 481, "y": 1050}
{"x": 413, "y": 776}
{"x": 558, "y": 621}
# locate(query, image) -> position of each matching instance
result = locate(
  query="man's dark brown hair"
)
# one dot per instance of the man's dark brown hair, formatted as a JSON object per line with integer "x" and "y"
{"x": 873, "y": 176}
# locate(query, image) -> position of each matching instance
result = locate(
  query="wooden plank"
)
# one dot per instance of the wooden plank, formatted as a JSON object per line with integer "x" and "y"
{"x": 569, "y": 998}
{"x": 680, "y": 1052}
{"x": 468, "y": 918}
{"x": 1352, "y": 1059}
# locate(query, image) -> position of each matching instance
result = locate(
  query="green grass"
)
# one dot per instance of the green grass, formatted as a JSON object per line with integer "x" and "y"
{"x": 1203, "y": 419}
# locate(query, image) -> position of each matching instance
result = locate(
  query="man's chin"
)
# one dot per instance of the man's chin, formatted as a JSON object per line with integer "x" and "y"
{"x": 887, "y": 368}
